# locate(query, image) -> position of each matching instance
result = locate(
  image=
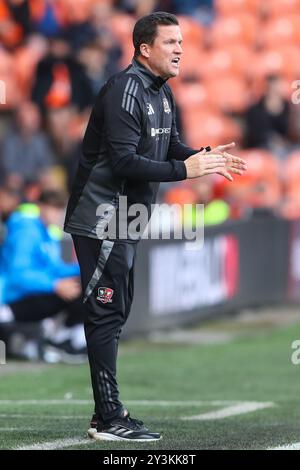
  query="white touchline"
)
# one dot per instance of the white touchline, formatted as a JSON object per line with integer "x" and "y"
{"x": 295, "y": 446}
{"x": 233, "y": 410}
{"x": 19, "y": 429}
{"x": 128, "y": 402}
{"x": 53, "y": 445}
{"x": 179, "y": 403}
{"x": 39, "y": 416}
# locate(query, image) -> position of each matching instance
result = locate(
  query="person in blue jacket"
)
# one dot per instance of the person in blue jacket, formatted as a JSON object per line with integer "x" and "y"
{"x": 36, "y": 282}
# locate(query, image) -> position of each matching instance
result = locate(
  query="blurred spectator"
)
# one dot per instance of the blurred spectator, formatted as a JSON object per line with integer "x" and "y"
{"x": 10, "y": 198}
{"x": 200, "y": 10}
{"x": 25, "y": 151}
{"x": 26, "y": 58}
{"x": 294, "y": 124}
{"x": 60, "y": 80}
{"x": 193, "y": 192}
{"x": 20, "y": 12}
{"x": 137, "y": 7}
{"x": 37, "y": 282}
{"x": 48, "y": 17}
{"x": 267, "y": 121}
{"x": 66, "y": 126}
{"x": 60, "y": 52}
{"x": 11, "y": 31}
{"x": 101, "y": 19}
{"x": 98, "y": 68}
{"x": 216, "y": 210}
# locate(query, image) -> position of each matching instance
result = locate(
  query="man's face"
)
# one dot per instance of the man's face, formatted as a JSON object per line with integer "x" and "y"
{"x": 163, "y": 56}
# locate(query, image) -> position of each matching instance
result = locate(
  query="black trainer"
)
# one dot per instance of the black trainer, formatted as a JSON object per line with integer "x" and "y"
{"x": 122, "y": 428}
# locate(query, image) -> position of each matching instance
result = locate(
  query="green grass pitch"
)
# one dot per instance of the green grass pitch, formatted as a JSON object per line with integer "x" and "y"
{"x": 178, "y": 381}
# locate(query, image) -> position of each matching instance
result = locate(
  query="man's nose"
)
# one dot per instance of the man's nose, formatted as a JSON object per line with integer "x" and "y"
{"x": 178, "y": 49}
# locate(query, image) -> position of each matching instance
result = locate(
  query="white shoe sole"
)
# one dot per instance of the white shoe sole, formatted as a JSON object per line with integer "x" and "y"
{"x": 105, "y": 436}
{"x": 91, "y": 432}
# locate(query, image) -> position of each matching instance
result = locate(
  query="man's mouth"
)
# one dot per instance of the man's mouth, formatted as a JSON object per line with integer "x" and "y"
{"x": 176, "y": 60}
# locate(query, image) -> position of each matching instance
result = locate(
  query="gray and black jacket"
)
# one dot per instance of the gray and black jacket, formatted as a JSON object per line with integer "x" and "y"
{"x": 131, "y": 144}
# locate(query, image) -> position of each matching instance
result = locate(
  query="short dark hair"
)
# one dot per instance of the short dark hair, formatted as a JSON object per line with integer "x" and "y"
{"x": 53, "y": 197}
{"x": 145, "y": 29}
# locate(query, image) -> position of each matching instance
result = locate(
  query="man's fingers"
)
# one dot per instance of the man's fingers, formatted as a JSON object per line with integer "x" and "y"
{"x": 225, "y": 174}
{"x": 224, "y": 148}
{"x": 236, "y": 171}
{"x": 233, "y": 158}
{"x": 215, "y": 165}
{"x": 219, "y": 171}
{"x": 214, "y": 158}
{"x": 234, "y": 167}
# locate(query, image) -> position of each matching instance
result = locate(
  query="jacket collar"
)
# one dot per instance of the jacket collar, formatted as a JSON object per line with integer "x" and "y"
{"x": 148, "y": 77}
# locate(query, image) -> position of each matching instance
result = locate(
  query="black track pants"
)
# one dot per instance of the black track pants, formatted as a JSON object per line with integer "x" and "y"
{"x": 107, "y": 284}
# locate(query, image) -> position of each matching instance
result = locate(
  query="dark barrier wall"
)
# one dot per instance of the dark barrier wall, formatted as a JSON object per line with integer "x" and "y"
{"x": 241, "y": 264}
{"x": 293, "y": 280}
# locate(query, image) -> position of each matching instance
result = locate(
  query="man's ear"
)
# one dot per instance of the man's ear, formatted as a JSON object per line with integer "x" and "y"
{"x": 145, "y": 50}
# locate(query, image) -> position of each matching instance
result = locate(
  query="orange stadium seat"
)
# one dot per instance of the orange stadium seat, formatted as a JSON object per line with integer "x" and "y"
{"x": 180, "y": 194}
{"x": 192, "y": 31}
{"x": 284, "y": 30}
{"x": 206, "y": 127}
{"x": 8, "y": 76}
{"x": 292, "y": 174}
{"x": 11, "y": 33}
{"x": 228, "y": 93}
{"x": 261, "y": 185}
{"x": 232, "y": 59}
{"x": 192, "y": 63}
{"x": 261, "y": 163}
{"x": 290, "y": 208}
{"x": 26, "y": 59}
{"x": 190, "y": 95}
{"x": 122, "y": 26}
{"x": 282, "y": 61}
{"x": 230, "y": 7}
{"x": 282, "y": 7}
{"x": 82, "y": 11}
{"x": 235, "y": 29}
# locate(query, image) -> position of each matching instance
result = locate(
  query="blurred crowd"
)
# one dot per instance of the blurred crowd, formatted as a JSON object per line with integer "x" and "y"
{"x": 238, "y": 82}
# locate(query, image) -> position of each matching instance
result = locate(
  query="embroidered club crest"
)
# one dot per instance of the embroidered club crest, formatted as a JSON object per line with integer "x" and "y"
{"x": 105, "y": 295}
{"x": 166, "y": 106}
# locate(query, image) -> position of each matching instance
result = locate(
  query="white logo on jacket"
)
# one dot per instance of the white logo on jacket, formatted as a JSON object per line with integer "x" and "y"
{"x": 160, "y": 130}
{"x": 150, "y": 109}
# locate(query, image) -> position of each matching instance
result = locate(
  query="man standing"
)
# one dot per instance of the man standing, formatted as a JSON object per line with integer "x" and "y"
{"x": 131, "y": 145}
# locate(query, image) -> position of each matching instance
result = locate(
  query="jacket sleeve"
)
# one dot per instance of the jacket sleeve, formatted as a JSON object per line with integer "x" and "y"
{"x": 123, "y": 125}
{"x": 177, "y": 150}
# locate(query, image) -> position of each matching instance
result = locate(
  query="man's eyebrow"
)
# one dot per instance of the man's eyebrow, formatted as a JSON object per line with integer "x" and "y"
{"x": 172, "y": 40}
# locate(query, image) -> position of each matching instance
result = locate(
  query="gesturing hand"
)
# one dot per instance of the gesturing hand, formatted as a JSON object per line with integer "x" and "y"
{"x": 203, "y": 163}
{"x": 233, "y": 164}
